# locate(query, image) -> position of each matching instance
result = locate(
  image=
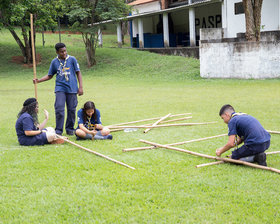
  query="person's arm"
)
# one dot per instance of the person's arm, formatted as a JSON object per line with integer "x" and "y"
{"x": 83, "y": 128}
{"x": 43, "y": 79}
{"x": 80, "y": 81}
{"x": 230, "y": 144}
{"x": 32, "y": 133}
{"x": 98, "y": 124}
{"x": 42, "y": 125}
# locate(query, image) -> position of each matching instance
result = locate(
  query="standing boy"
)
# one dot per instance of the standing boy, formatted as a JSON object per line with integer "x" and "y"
{"x": 67, "y": 72}
{"x": 247, "y": 129}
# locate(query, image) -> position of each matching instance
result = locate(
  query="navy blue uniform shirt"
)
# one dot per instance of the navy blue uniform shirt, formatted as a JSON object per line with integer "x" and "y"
{"x": 248, "y": 128}
{"x": 90, "y": 121}
{"x": 26, "y": 123}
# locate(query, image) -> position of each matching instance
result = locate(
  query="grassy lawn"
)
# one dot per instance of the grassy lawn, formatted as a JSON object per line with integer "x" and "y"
{"x": 63, "y": 184}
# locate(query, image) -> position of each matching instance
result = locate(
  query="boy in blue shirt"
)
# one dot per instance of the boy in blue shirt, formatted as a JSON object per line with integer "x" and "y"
{"x": 67, "y": 71}
{"x": 247, "y": 129}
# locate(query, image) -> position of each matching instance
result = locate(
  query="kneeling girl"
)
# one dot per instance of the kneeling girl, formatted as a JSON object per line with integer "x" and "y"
{"x": 89, "y": 124}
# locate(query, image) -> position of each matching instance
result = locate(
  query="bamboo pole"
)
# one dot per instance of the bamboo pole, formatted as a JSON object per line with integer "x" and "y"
{"x": 164, "y": 125}
{"x": 148, "y": 119}
{"x": 271, "y": 153}
{"x": 209, "y": 164}
{"x": 177, "y": 143}
{"x": 219, "y": 162}
{"x": 215, "y": 158}
{"x": 162, "y": 122}
{"x": 33, "y": 55}
{"x": 157, "y": 122}
{"x": 96, "y": 153}
{"x": 273, "y": 132}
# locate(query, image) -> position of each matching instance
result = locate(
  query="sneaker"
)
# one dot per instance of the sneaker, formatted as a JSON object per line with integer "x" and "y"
{"x": 110, "y": 137}
{"x": 261, "y": 159}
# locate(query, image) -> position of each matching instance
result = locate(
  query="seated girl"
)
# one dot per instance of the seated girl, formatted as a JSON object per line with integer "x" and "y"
{"x": 28, "y": 129}
{"x": 89, "y": 124}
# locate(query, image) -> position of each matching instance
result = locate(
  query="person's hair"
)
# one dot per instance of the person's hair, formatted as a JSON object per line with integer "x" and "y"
{"x": 29, "y": 106}
{"x": 87, "y": 106}
{"x": 226, "y": 108}
{"x": 59, "y": 45}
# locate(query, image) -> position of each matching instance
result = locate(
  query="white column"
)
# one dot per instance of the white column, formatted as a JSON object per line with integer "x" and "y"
{"x": 119, "y": 33}
{"x": 165, "y": 30}
{"x": 224, "y": 17}
{"x": 141, "y": 33}
{"x": 100, "y": 40}
{"x": 135, "y": 27}
{"x": 192, "y": 26}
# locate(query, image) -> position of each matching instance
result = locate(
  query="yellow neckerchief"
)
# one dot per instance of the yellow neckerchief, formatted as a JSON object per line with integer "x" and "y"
{"x": 63, "y": 67}
{"x": 233, "y": 115}
{"x": 90, "y": 125}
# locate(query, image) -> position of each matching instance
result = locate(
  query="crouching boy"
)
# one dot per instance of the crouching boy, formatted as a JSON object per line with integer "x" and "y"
{"x": 247, "y": 129}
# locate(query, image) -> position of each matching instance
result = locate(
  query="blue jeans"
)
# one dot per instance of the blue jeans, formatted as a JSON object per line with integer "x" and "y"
{"x": 250, "y": 150}
{"x": 71, "y": 103}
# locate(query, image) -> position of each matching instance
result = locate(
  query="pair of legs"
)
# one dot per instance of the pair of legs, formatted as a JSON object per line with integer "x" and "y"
{"x": 48, "y": 136}
{"x": 71, "y": 103}
{"x": 104, "y": 133}
{"x": 252, "y": 153}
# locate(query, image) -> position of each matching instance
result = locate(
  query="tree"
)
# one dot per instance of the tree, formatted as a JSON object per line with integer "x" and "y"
{"x": 16, "y": 13}
{"x": 85, "y": 13}
{"x": 253, "y": 10}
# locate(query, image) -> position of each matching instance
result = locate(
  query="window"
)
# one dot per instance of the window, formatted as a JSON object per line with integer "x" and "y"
{"x": 238, "y": 8}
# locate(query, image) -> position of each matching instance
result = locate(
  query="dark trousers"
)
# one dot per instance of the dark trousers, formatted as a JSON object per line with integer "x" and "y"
{"x": 250, "y": 150}
{"x": 71, "y": 103}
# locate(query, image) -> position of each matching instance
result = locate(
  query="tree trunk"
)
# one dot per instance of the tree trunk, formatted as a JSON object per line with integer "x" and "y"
{"x": 253, "y": 19}
{"x": 19, "y": 42}
{"x": 89, "y": 41}
{"x": 124, "y": 30}
{"x": 257, "y": 17}
{"x": 28, "y": 50}
{"x": 249, "y": 17}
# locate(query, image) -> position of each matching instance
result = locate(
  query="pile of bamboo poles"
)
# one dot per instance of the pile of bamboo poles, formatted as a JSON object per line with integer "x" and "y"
{"x": 160, "y": 122}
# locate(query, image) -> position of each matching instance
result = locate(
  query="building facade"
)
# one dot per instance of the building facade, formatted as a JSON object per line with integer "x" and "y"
{"x": 176, "y": 23}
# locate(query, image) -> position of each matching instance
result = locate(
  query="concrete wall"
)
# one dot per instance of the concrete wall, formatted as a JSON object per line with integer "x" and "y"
{"x": 236, "y": 58}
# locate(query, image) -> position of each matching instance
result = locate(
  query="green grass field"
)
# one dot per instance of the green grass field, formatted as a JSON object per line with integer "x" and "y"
{"x": 63, "y": 184}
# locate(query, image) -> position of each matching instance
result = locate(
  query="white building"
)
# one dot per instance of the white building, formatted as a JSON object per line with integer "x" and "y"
{"x": 175, "y": 23}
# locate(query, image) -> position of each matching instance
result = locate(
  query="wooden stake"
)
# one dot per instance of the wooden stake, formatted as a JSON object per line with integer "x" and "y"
{"x": 149, "y": 119}
{"x": 33, "y": 55}
{"x": 219, "y": 162}
{"x": 154, "y": 124}
{"x": 177, "y": 143}
{"x": 96, "y": 153}
{"x": 215, "y": 158}
{"x": 164, "y": 125}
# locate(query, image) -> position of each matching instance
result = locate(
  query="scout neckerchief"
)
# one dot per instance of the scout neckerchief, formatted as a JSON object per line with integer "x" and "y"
{"x": 90, "y": 125}
{"x": 63, "y": 67}
{"x": 233, "y": 115}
